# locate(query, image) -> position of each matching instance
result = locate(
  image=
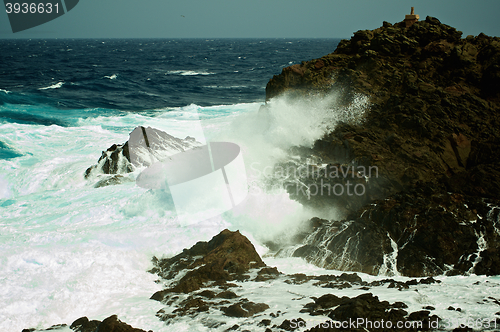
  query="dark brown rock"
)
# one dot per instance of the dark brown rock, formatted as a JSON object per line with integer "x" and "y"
{"x": 267, "y": 273}
{"x": 431, "y": 135}
{"x": 227, "y": 294}
{"x": 113, "y": 324}
{"x": 84, "y": 325}
{"x": 244, "y": 309}
{"x": 227, "y": 256}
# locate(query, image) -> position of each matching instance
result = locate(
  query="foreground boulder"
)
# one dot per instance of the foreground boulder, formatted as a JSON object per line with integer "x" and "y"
{"x": 418, "y": 179}
{"x": 227, "y": 256}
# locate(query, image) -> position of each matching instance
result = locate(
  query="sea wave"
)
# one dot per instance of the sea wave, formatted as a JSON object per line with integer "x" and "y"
{"x": 53, "y": 86}
{"x": 8, "y": 152}
{"x": 112, "y": 77}
{"x": 188, "y": 72}
{"x": 5, "y": 91}
{"x": 225, "y": 87}
{"x": 32, "y": 119}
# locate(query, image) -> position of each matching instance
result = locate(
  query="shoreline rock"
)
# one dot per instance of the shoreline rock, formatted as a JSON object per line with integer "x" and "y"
{"x": 83, "y": 324}
{"x": 214, "y": 294}
{"x": 225, "y": 304}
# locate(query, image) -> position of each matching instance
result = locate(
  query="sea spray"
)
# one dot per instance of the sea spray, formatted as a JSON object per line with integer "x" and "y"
{"x": 265, "y": 136}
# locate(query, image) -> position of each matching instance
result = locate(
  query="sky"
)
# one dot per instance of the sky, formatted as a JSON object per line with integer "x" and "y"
{"x": 252, "y": 19}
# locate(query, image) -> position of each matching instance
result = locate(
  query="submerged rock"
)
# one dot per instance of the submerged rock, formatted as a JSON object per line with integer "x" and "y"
{"x": 417, "y": 181}
{"x": 244, "y": 309}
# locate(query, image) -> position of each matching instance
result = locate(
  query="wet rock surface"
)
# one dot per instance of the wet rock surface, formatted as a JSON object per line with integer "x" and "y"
{"x": 220, "y": 297}
{"x": 422, "y": 160}
{"x": 83, "y": 324}
{"x": 211, "y": 266}
{"x": 358, "y": 313}
{"x": 242, "y": 301}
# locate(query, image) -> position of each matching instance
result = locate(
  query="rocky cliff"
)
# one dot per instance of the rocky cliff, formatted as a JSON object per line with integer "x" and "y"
{"x": 432, "y": 137}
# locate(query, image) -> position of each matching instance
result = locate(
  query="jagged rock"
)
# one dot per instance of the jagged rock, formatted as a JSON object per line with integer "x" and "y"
{"x": 84, "y": 325}
{"x": 288, "y": 325}
{"x": 430, "y": 136}
{"x": 362, "y": 312}
{"x": 144, "y": 146}
{"x": 415, "y": 96}
{"x": 227, "y": 294}
{"x": 227, "y": 256}
{"x": 322, "y": 305}
{"x": 115, "y": 160}
{"x": 368, "y": 307}
{"x": 423, "y": 232}
{"x": 207, "y": 293}
{"x": 113, "y": 324}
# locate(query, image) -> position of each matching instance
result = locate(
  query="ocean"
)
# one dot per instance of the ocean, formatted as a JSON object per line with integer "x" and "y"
{"x": 68, "y": 249}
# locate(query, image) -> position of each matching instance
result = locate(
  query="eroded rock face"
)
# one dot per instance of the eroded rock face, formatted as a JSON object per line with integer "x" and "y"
{"x": 432, "y": 115}
{"x": 429, "y": 205}
{"x": 423, "y": 232}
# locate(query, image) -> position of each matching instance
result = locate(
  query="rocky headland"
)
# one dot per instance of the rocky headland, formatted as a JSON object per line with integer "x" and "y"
{"x": 430, "y": 204}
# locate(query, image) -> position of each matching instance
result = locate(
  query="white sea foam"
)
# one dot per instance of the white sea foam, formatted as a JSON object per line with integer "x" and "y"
{"x": 53, "y": 86}
{"x": 69, "y": 250}
{"x": 112, "y": 77}
{"x": 5, "y": 192}
{"x": 4, "y": 91}
{"x": 225, "y": 87}
{"x": 188, "y": 72}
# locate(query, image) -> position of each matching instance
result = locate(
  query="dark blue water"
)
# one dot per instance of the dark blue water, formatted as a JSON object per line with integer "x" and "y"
{"x": 137, "y": 75}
